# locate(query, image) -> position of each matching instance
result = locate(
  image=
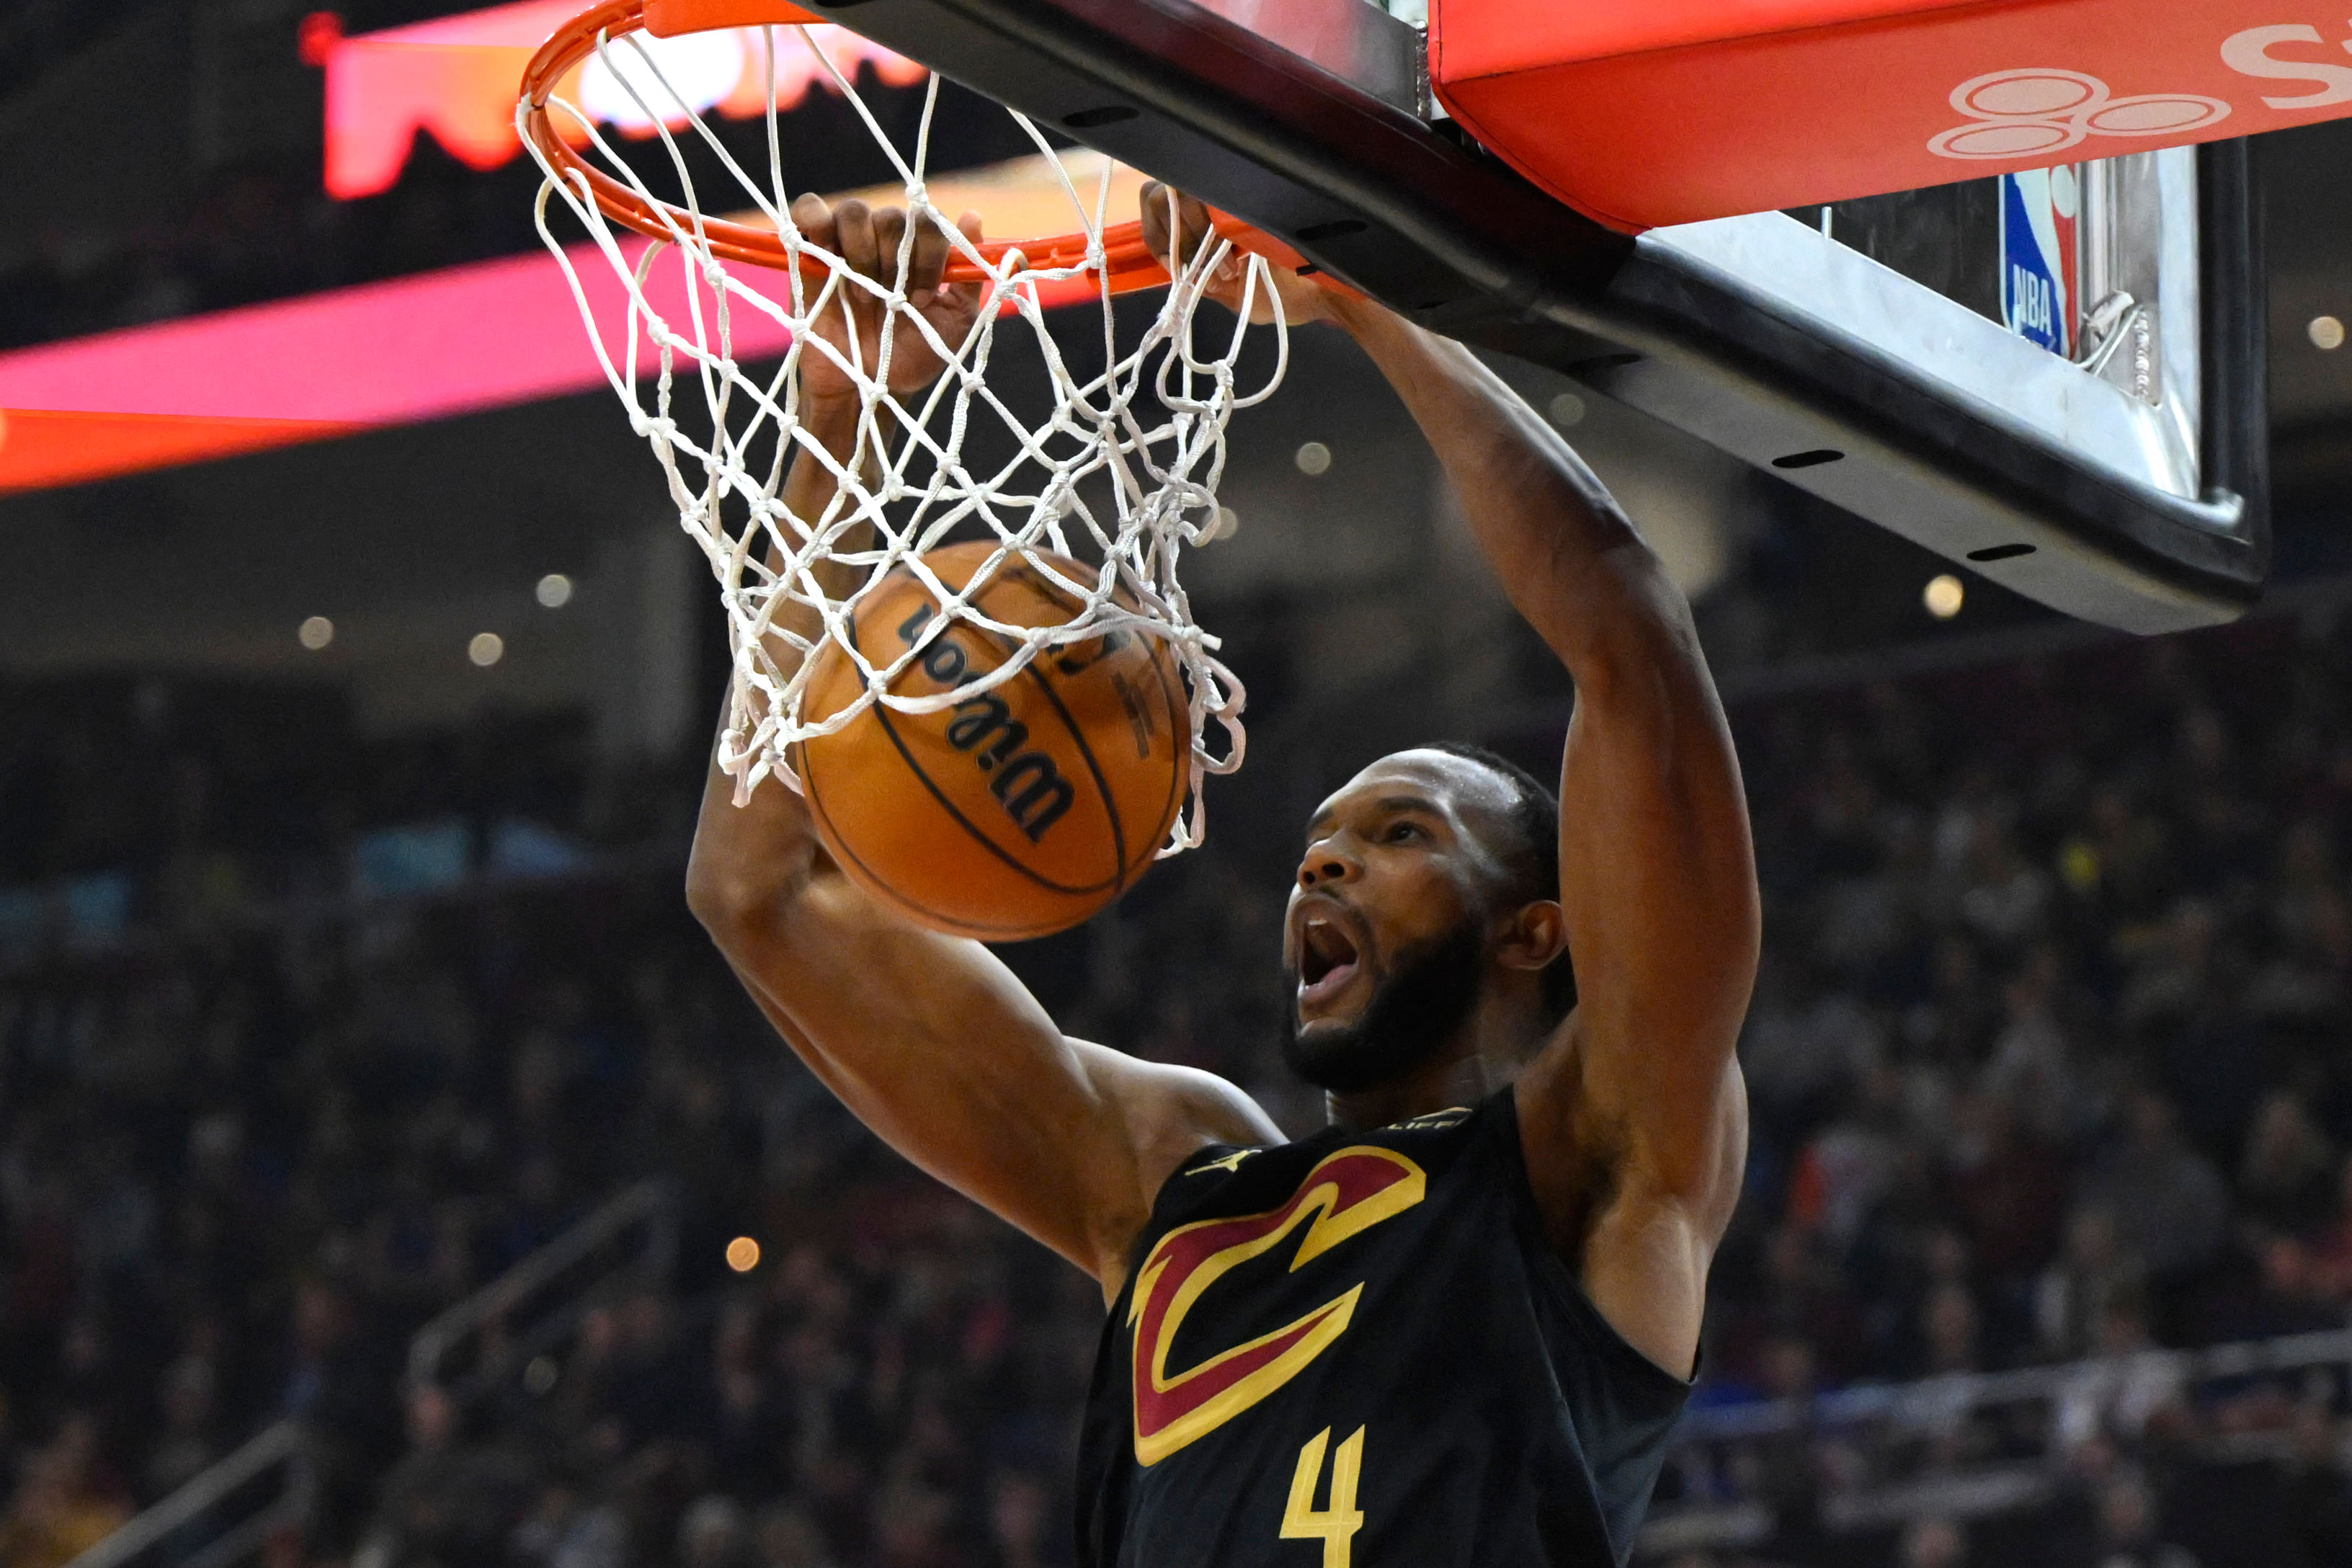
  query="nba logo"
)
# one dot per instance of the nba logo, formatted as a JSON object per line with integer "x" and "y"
{"x": 2037, "y": 255}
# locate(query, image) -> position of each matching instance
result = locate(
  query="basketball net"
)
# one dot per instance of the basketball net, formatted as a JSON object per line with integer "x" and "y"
{"x": 1119, "y": 468}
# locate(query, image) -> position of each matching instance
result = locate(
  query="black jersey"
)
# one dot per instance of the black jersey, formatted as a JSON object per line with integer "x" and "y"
{"x": 1359, "y": 1351}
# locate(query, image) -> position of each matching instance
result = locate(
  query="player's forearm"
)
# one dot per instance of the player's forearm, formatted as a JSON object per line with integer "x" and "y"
{"x": 748, "y": 860}
{"x": 1563, "y": 550}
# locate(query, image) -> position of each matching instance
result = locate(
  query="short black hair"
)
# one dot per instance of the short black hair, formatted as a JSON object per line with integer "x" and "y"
{"x": 1535, "y": 816}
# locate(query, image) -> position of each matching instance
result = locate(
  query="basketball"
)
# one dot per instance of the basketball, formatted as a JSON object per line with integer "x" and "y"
{"x": 1015, "y": 812}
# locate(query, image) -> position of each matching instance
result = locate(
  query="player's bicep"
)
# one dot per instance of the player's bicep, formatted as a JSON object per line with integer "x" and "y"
{"x": 1639, "y": 1224}
{"x": 937, "y": 1047}
{"x": 1170, "y": 1113}
{"x": 1645, "y": 1256}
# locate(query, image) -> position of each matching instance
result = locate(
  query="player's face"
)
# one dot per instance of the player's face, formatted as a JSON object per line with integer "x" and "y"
{"x": 1386, "y": 933}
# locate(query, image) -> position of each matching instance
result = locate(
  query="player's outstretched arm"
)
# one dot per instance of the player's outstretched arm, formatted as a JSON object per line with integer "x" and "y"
{"x": 929, "y": 1040}
{"x": 1634, "y": 1115}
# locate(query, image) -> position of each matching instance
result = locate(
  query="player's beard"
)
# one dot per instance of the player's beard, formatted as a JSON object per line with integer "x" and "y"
{"x": 1414, "y": 1011}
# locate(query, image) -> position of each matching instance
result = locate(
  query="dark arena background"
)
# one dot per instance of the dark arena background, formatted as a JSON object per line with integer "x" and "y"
{"x": 391, "y": 1174}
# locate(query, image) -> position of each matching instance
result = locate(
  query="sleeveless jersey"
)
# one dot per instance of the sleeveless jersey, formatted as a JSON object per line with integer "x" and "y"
{"x": 1359, "y": 1351}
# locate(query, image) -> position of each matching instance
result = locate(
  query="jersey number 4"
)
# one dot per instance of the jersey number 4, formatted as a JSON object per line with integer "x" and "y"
{"x": 1335, "y": 1526}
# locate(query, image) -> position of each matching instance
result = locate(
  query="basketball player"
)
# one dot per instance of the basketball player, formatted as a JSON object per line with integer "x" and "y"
{"x": 1455, "y": 1327}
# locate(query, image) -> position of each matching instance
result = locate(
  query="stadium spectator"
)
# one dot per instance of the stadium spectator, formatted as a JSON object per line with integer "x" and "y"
{"x": 2320, "y": 1491}
{"x": 566, "y": 1530}
{"x": 785, "y": 1537}
{"x": 2164, "y": 1196}
{"x": 2131, "y": 1530}
{"x": 65, "y": 1503}
{"x": 447, "y": 1500}
{"x": 1934, "y": 1543}
{"x": 713, "y": 1534}
{"x": 2130, "y": 1385}
{"x": 2074, "y": 1296}
{"x": 2286, "y": 1184}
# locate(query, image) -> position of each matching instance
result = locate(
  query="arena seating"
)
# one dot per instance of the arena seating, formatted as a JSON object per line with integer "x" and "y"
{"x": 2044, "y": 1064}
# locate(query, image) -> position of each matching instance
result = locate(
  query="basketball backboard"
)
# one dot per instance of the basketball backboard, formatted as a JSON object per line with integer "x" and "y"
{"x": 2128, "y": 492}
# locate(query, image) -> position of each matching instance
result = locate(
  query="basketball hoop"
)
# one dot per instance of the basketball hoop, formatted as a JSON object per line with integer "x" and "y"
{"x": 1119, "y": 473}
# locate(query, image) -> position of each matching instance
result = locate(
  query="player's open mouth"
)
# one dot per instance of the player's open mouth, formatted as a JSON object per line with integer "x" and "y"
{"x": 1327, "y": 959}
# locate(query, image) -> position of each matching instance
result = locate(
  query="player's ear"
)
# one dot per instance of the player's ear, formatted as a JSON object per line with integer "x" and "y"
{"x": 1538, "y": 934}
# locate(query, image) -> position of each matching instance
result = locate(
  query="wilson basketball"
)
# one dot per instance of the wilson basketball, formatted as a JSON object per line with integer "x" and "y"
{"x": 1015, "y": 812}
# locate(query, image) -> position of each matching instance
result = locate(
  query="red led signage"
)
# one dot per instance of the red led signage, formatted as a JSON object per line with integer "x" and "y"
{"x": 455, "y": 78}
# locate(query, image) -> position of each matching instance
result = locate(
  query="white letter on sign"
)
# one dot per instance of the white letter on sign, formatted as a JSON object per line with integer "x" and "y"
{"x": 2248, "y": 53}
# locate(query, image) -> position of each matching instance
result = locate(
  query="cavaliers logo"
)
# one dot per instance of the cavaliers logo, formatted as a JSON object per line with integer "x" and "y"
{"x": 1346, "y": 1194}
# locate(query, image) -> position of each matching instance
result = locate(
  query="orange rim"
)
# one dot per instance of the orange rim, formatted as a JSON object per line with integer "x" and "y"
{"x": 1129, "y": 263}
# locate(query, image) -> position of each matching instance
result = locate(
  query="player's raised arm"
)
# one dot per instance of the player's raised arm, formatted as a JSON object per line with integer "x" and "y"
{"x": 928, "y": 1039}
{"x": 1633, "y": 1115}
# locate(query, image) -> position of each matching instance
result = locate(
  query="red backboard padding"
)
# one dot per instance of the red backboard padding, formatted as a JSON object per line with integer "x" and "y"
{"x": 667, "y": 18}
{"x": 1645, "y": 112}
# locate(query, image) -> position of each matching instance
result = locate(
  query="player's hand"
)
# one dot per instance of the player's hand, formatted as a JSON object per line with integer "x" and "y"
{"x": 869, "y": 240}
{"x": 1303, "y": 298}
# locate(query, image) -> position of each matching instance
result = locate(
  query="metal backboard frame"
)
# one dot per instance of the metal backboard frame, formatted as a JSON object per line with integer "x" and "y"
{"x": 1310, "y": 119}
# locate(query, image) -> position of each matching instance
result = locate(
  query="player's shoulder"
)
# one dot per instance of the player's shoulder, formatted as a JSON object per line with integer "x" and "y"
{"x": 1167, "y": 1114}
{"x": 1220, "y": 1174}
{"x": 1182, "y": 1107}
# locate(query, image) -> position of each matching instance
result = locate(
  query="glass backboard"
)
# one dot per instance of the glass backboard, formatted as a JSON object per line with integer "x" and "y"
{"x": 2070, "y": 331}
{"x": 2075, "y": 409}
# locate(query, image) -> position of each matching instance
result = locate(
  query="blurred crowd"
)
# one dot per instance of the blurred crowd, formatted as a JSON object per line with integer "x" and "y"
{"x": 2046, "y": 1054}
{"x": 304, "y": 1037}
{"x": 2044, "y": 1061}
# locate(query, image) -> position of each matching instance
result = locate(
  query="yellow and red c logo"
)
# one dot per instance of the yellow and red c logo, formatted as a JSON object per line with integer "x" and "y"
{"x": 1348, "y": 1193}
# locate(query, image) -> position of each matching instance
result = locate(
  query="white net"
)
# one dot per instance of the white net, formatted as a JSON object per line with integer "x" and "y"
{"x": 1117, "y": 468}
